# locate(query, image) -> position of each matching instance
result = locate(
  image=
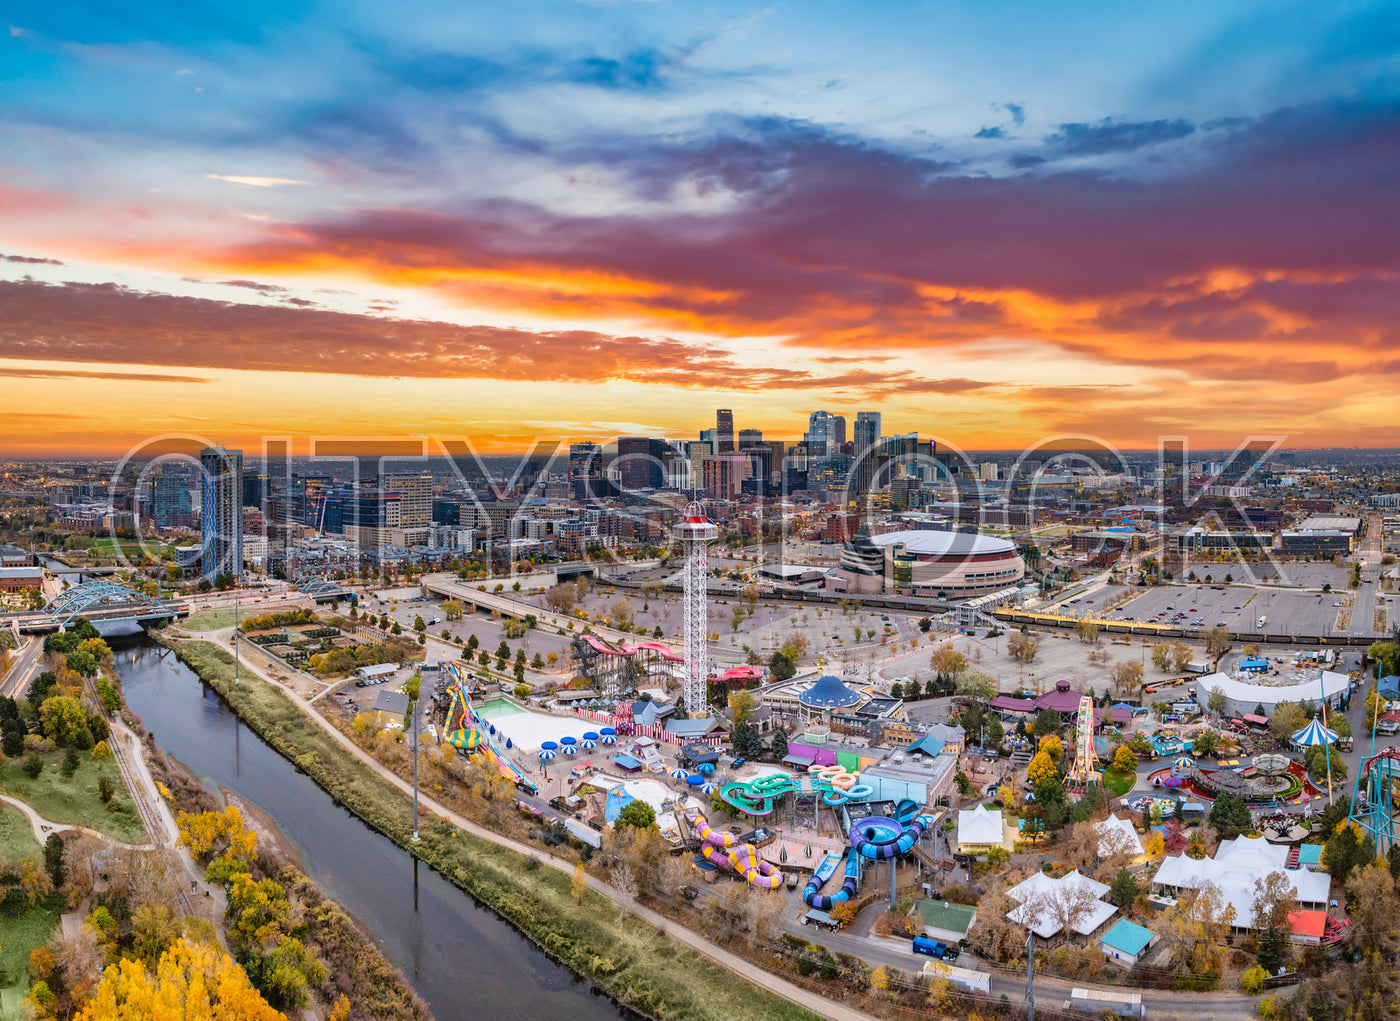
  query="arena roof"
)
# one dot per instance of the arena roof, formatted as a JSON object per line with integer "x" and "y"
{"x": 930, "y": 543}
{"x": 1326, "y": 685}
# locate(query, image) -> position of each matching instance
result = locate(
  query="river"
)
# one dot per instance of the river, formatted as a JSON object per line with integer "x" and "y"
{"x": 457, "y": 953}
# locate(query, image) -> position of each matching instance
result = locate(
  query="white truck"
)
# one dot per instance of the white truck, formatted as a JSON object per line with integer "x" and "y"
{"x": 1199, "y": 666}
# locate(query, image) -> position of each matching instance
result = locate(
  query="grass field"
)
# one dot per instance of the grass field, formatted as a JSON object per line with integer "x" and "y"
{"x": 16, "y": 838}
{"x": 622, "y": 955}
{"x": 1118, "y": 783}
{"x": 75, "y": 801}
{"x": 211, "y": 620}
{"x": 24, "y": 933}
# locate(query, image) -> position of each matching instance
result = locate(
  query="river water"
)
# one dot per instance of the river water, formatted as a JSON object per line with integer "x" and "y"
{"x": 458, "y": 954}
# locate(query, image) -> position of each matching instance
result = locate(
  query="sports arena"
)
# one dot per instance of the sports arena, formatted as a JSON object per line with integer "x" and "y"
{"x": 923, "y": 562}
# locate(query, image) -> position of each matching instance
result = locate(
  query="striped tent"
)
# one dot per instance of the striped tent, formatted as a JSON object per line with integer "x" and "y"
{"x": 1314, "y": 733}
{"x": 1182, "y": 763}
{"x": 679, "y": 774}
{"x": 546, "y": 754}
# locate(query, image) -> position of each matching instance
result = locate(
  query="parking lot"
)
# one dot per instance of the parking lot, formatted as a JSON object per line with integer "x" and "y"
{"x": 1238, "y": 608}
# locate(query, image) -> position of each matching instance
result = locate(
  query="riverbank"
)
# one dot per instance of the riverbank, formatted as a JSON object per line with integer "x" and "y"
{"x": 622, "y": 955}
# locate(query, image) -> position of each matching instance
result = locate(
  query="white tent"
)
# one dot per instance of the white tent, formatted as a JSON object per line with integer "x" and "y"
{"x": 980, "y": 827}
{"x": 1039, "y": 896}
{"x": 1236, "y": 866}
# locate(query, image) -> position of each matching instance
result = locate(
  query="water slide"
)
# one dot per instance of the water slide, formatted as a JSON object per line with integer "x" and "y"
{"x": 722, "y": 848}
{"x": 756, "y": 797}
{"x": 824, "y": 872}
{"x": 881, "y": 837}
{"x": 472, "y": 735}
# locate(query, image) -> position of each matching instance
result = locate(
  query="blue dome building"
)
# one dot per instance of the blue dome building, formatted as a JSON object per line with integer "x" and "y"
{"x": 827, "y": 694}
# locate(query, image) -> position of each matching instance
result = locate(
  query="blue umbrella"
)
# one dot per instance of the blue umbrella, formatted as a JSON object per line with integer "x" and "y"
{"x": 589, "y": 744}
{"x": 569, "y": 749}
{"x": 549, "y": 745}
{"x": 546, "y": 754}
{"x": 608, "y": 738}
{"x": 607, "y": 731}
{"x": 568, "y": 741}
{"x": 589, "y": 735}
{"x": 708, "y": 788}
{"x": 694, "y": 780}
{"x": 707, "y": 768}
{"x": 679, "y": 774}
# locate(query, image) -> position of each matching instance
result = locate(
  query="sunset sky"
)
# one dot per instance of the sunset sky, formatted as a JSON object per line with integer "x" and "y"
{"x": 991, "y": 222}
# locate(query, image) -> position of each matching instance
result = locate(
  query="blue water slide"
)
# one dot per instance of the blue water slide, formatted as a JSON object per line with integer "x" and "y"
{"x": 847, "y": 891}
{"x": 879, "y": 837}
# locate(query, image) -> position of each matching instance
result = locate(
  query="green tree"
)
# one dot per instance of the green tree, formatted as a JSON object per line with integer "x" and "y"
{"x": 53, "y": 859}
{"x": 780, "y": 746}
{"x": 33, "y": 765}
{"x": 1230, "y": 817}
{"x": 636, "y": 815}
{"x": 1215, "y": 702}
{"x": 1124, "y": 889}
{"x": 1047, "y": 721}
{"x": 747, "y": 741}
{"x": 781, "y": 666}
{"x": 1271, "y": 948}
{"x": 63, "y": 717}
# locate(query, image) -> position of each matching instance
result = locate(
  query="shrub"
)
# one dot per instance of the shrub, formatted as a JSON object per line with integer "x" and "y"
{"x": 1252, "y": 981}
{"x": 33, "y": 765}
{"x": 805, "y": 965}
{"x": 106, "y": 789}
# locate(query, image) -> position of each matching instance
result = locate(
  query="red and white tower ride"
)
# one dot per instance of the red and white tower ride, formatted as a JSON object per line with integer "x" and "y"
{"x": 695, "y": 533}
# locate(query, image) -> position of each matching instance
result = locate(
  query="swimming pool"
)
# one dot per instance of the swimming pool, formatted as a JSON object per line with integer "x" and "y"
{"x": 497, "y": 708}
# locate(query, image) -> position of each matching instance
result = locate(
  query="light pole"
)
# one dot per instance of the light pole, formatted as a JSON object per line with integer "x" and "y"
{"x": 413, "y": 709}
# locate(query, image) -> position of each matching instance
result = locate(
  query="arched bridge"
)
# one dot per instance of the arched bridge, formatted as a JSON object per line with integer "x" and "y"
{"x": 101, "y": 600}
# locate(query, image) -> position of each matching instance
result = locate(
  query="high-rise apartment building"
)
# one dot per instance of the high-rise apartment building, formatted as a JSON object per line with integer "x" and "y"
{"x": 221, "y": 521}
{"x": 170, "y": 501}
{"x": 750, "y": 437}
{"x": 415, "y": 492}
{"x": 724, "y": 430}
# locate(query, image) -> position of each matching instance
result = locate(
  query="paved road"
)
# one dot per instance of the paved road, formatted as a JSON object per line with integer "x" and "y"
{"x": 23, "y": 667}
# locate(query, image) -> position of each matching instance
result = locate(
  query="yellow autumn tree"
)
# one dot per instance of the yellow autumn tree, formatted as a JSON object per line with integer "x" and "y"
{"x": 1124, "y": 760}
{"x": 210, "y": 835}
{"x": 190, "y": 981}
{"x": 1052, "y": 746}
{"x": 579, "y": 883}
{"x": 1041, "y": 768}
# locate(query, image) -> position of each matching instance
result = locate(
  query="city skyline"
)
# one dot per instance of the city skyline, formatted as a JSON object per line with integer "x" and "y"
{"x": 319, "y": 222}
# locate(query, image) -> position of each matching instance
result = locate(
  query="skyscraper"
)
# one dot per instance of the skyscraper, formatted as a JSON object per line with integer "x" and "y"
{"x": 724, "y": 430}
{"x": 750, "y": 437}
{"x": 821, "y": 432}
{"x": 221, "y": 522}
{"x": 867, "y": 430}
{"x": 170, "y": 500}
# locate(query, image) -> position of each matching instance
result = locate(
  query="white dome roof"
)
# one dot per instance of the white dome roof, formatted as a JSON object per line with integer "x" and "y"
{"x": 929, "y": 543}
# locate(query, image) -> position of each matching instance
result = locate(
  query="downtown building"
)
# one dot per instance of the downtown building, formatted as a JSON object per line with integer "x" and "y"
{"x": 221, "y": 512}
